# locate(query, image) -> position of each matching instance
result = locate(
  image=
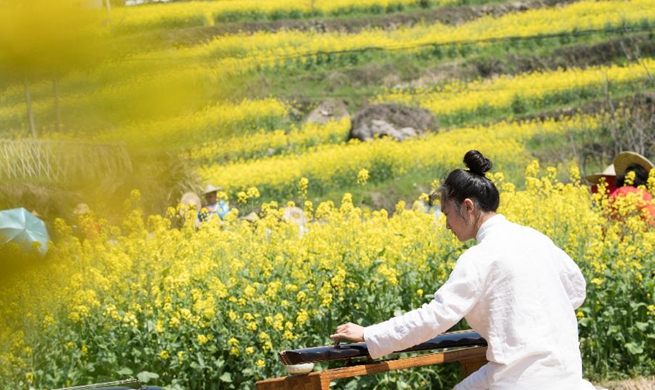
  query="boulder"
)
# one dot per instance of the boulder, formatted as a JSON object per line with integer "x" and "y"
{"x": 328, "y": 110}
{"x": 391, "y": 120}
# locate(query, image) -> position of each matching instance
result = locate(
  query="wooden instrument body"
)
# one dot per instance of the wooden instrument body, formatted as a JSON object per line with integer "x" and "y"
{"x": 471, "y": 355}
{"x": 457, "y": 339}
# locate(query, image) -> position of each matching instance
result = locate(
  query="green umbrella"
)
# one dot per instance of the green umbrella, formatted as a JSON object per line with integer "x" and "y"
{"x": 23, "y": 228}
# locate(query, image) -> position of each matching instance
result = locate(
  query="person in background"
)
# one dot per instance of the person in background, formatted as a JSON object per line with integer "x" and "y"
{"x": 85, "y": 224}
{"x": 516, "y": 288}
{"x": 213, "y": 205}
{"x": 609, "y": 175}
{"x": 297, "y": 216}
{"x": 193, "y": 203}
{"x": 633, "y": 170}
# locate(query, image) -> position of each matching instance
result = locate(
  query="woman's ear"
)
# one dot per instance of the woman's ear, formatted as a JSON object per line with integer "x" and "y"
{"x": 469, "y": 205}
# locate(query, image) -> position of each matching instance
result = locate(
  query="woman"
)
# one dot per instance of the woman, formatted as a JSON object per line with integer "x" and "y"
{"x": 608, "y": 175}
{"x": 515, "y": 288}
{"x": 214, "y": 206}
{"x": 633, "y": 179}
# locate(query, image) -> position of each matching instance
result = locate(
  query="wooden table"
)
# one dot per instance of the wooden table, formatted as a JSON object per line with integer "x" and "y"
{"x": 470, "y": 359}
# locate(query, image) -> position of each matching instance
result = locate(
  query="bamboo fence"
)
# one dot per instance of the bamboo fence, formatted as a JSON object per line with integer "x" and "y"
{"x": 52, "y": 160}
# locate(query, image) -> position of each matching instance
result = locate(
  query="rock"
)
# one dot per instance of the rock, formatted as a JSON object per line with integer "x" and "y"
{"x": 519, "y": 6}
{"x": 391, "y": 120}
{"x": 326, "y": 111}
{"x": 380, "y": 128}
{"x": 409, "y": 132}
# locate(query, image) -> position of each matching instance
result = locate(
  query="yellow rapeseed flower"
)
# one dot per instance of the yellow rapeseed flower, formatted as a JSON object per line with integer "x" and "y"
{"x": 362, "y": 176}
{"x": 202, "y": 339}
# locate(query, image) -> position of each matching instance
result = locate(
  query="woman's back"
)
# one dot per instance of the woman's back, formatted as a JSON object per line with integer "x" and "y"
{"x": 529, "y": 291}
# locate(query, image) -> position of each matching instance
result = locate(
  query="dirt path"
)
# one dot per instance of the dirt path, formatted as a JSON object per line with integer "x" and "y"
{"x": 633, "y": 384}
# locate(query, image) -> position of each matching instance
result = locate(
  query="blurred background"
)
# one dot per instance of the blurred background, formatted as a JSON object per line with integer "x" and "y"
{"x": 322, "y": 126}
{"x": 101, "y": 97}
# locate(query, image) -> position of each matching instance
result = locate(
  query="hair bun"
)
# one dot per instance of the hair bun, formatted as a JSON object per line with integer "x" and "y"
{"x": 476, "y": 162}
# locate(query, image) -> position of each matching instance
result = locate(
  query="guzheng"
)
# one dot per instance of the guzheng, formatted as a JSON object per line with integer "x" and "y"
{"x": 457, "y": 339}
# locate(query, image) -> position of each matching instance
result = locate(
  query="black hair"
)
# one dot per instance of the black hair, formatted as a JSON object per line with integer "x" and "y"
{"x": 641, "y": 176}
{"x": 472, "y": 184}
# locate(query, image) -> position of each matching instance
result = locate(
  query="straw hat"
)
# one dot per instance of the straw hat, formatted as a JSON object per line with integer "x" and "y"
{"x": 81, "y": 209}
{"x": 191, "y": 199}
{"x": 595, "y": 178}
{"x": 252, "y": 217}
{"x": 295, "y": 215}
{"x": 211, "y": 188}
{"x": 624, "y": 159}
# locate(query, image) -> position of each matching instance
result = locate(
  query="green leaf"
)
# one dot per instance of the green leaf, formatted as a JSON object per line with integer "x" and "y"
{"x": 125, "y": 371}
{"x": 353, "y": 384}
{"x": 226, "y": 377}
{"x": 642, "y": 326}
{"x": 634, "y": 348}
{"x": 145, "y": 376}
{"x": 247, "y": 372}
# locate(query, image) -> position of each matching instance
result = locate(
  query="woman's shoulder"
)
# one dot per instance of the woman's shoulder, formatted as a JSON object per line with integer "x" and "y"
{"x": 625, "y": 190}
{"x": 514, "y": 235}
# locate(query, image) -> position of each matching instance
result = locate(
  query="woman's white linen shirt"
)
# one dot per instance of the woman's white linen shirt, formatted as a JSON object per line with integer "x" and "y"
{"x": 519, "y": 291}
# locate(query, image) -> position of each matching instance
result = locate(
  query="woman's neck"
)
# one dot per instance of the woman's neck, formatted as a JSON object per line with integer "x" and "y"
{"x": 482, "y": 218}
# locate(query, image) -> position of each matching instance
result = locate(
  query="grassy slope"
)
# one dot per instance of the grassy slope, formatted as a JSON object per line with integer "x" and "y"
{"x": 363, "y": 77}
{"x": 356, "y": 83}
{"x": 354, "y": 78}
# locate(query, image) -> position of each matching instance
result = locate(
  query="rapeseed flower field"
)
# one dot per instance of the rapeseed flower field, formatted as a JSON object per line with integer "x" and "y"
{"x": 210, "y": 307}
{"x": 183, "y": 304}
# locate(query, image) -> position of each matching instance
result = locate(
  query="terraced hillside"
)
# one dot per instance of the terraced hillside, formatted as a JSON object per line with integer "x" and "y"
{"x": 187, "y": 79}
{"x": 127, "y": 110}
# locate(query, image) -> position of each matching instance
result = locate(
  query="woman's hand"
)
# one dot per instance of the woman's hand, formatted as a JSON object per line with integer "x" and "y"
{"x": 349, "y": 331}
